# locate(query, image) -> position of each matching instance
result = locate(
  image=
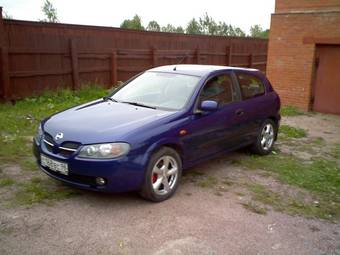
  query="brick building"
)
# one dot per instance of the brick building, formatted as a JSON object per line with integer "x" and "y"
{"x": 304, "y": 54}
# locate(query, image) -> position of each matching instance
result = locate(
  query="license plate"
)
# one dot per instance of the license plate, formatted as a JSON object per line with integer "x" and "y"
{"x": 54, "y": 165}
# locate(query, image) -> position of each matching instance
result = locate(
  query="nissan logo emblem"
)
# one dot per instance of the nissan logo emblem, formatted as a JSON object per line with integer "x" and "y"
{"x": 59, "y": 136}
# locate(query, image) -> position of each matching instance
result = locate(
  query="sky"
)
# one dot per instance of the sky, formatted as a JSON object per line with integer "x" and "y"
{"x": 241, "y": 13}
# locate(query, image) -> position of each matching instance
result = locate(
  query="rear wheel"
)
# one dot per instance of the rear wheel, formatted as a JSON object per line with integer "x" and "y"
{"x": 266, "y": 138}
{"x": 162, "y": 176}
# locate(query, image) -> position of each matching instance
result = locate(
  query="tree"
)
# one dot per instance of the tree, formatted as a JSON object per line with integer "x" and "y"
{"x": 134, "y": 23}
{"x": 153, "y": 26}
{"x": 208, "y": 25}
{"x": 239, "y": 32}
{"x": 50, "y": 12}
{"x": 172, "y": 29}
{"x": 257, "y": 31}
{"x": 180, "y": 30}
{"x": 7, "y": 16}
{"x": 193, "y": 27}
{"x": 169, "y": 28}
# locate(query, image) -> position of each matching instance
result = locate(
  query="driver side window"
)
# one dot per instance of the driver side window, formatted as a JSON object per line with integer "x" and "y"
{"x": 219, "y": 89}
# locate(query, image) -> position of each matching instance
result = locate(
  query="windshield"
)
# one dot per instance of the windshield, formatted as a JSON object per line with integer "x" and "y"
{"x": 164, "y": 90}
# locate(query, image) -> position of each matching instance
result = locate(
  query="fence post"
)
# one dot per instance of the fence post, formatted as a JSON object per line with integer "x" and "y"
{"x": 74, "y": 64}
{"x": 154, "y": 57}
{"x": 251, "y": 56}
{"x": 198, "y": 56}
{"x": 114, "y": 67}
{"x": 228, "y": 55}
{"x": 4, "y": 71}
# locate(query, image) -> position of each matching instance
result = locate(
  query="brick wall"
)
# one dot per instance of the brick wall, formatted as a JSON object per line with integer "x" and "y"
{"x": 290, "y": 60}
{"x": 306, "y": 5}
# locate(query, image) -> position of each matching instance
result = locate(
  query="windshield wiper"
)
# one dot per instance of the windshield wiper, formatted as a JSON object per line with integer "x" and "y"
{"x": 139, "y": 104}
{"x": 110, "y": 98}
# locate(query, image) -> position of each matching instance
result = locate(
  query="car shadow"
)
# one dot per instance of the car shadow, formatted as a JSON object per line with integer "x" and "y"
{"x": 126, "y": 199}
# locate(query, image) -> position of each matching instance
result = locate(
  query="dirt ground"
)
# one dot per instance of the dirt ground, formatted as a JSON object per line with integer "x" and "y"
{"x": 197, "y": 220}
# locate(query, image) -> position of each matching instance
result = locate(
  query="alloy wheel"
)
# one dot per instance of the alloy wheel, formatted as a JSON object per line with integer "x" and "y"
{"x": 267, "y": 136}
{"x": 164, "y": 175}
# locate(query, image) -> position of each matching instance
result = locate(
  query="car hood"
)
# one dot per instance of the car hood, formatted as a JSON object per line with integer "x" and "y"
{"x": 101, "y": 121}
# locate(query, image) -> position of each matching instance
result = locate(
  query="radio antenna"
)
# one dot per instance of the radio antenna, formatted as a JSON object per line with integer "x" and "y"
{"x": 181, "y": 60}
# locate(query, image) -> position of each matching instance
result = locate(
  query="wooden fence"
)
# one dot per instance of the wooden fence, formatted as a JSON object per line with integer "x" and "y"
{"x": 37, "y": 56}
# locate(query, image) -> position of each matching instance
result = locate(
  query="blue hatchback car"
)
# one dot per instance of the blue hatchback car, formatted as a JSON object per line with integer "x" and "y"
{"x": 164, "y": 120}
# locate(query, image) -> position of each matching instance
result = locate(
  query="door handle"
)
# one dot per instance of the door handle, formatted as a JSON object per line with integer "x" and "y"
{"x": 239, "y": 112}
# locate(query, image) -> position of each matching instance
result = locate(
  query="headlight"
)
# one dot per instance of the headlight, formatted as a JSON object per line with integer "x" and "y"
{"x": 39, "y": 135}
{"x": 105, "y": 150}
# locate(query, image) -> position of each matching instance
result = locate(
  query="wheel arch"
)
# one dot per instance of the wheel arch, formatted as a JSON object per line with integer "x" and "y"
{"x": 174, "y": 144}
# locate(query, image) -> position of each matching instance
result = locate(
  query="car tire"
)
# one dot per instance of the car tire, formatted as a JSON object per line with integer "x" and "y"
{"x": 162, "y": 175}
{"x": 266, "y": 138}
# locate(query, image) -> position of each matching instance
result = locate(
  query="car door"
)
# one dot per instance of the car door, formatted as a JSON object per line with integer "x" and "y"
{"x": 253, "y": 104}
{"x": 212, "y": 132}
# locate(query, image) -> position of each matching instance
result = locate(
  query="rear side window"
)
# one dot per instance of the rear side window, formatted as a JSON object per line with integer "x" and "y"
{"x": 218, "y": 88}
{"x": 250, "y": 86}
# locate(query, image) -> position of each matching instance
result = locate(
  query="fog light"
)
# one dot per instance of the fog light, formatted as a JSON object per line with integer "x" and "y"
{"x": 100, "y": 181}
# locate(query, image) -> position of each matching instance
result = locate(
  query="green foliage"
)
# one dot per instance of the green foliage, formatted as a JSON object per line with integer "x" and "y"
{"x": 208, "y": 26}
{"x": 172, "y": 29}
{"x": 50, "y": 12}
{"x": 134, "y": 23}
{"x": 193, "y": 27}
{"x": 153, "y": 26}
{"x": 291, "y": 111}
{"x": 292, "y": 132}
{"x": 257, "y": 31}
{"x": 180, "y": 30}
{"x": 205, "y": 25}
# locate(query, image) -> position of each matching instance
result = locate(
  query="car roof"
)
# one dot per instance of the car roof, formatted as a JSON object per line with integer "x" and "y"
{"x": 197, "y": 70}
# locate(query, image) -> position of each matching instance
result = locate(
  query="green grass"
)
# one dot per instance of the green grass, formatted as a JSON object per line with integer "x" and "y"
{"x": 255, "y": 208}
{"x": 208, "y": 182}
{"x": 38, "y": 190}
{"x": 18, "y": 123}
{"x": 292, "y": 132}
{"x": 318, "y": 141}
{"x": 291, "y": 111}
{"x": 6, "y": 182}
{"x": 335, "y": 153}
{"x": 293, "y": 205}
{"x": 320, "y": 178}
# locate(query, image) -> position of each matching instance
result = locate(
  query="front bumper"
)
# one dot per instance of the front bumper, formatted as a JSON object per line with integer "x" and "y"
{"x": 121, "y": 174}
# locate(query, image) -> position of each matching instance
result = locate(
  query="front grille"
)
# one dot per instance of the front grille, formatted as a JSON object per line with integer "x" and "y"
{"x": 82, "y": 179}
{"x": 66, "y": 149}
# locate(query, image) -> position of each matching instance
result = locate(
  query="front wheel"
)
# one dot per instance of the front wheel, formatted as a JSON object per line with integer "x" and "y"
{"x": 162, "y": 175}
{"x": 266, "y": 138}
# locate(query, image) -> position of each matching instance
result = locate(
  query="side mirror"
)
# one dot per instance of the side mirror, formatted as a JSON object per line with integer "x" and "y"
{"x": 208, "y": 106}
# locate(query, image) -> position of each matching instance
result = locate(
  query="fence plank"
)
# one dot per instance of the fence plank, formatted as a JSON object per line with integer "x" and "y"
{"x": 251, "y": 60}
{"x": 228, "y": 55}
{"x": 74, "y": 64}
{"x": 198, "y": 56}
{"x": 114, "y": 68}
{"x": 154, "y": 57}
{"x": 5, "y": 81}
{"x": 5, "y": 88}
